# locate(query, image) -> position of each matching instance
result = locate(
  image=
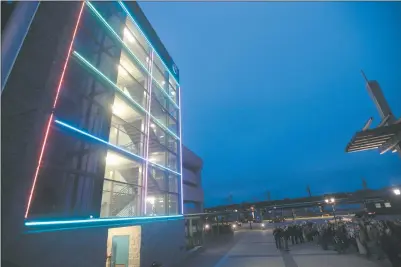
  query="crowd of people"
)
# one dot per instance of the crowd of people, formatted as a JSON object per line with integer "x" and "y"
{"x": 373, "y": 238}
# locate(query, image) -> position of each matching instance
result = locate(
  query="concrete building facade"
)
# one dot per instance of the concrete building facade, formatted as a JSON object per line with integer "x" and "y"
{"x": 91, "y": 140}
{"x": 192, "y": 182}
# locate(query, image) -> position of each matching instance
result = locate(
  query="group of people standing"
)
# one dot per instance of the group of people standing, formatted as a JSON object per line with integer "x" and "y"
{"x": 293, "y": 233}
{"x": 372, "y": 238}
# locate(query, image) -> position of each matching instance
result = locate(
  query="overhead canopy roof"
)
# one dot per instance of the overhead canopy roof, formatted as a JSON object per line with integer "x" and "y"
{"x": 384, "y": 137}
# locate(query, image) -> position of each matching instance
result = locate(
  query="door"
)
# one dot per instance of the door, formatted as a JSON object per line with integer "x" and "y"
{"x": 120, "y": 251}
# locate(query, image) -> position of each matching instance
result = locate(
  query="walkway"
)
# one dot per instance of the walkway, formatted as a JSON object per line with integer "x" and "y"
{"x": 256, "y": 248}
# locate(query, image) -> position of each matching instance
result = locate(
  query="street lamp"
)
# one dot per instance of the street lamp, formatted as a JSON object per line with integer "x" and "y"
{"x": 332, "y": 201}
{"x": 397, "y": 192}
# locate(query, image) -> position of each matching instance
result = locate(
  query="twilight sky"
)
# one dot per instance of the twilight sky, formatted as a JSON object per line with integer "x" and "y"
{"x": 272, "y": 93}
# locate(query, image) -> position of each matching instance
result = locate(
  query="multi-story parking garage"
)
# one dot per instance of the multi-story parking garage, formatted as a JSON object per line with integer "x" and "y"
{"x": 91, "y": 139}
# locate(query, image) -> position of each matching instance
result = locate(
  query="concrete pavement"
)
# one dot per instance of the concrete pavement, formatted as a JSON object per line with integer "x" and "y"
{"x": 256, "y": 248}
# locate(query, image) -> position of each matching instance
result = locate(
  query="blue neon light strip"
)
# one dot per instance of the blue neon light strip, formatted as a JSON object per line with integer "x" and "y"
{"x": 115, "y": 87}
{"x": 52, "y": 226}
{"x": 127, "y": 99}
{"x": 146, "y": 38}
{"x": 123, "y": 151}
{"x": 122, "y": 219}
{"x": 119, "y": 149}
{"x": 164, "y": 168}
{"x": 129, "y": 51}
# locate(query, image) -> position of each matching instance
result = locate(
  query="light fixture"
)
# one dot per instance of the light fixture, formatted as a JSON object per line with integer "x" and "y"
{"x": 121, "y": 70}
{"x": 117, "y": 109}
{"x": 153, "y": 125}
{"x": 172, "y": 93}
{"x": 397, "y": 192}
{"x": 151, "y": 200}
{"x": 332, "y": 200}
{"x": 163, "y": 82}
{"x": 161, "y": 136}
{"x": 111, "y": 159}
{"x": 128, "y": 35}
{"x": 326, "y": 200}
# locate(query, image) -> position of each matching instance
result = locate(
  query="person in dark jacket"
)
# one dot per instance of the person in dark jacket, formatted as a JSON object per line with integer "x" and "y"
{"x": 286, "y": 236}
{"x": 391, "y": 248}
{"x": 277, "y": 233}
{"x": 292, "y": 233}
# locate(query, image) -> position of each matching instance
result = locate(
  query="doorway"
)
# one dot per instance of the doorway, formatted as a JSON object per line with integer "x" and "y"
{"x": 123, "y": 247}
{"x": 120, "y": 251}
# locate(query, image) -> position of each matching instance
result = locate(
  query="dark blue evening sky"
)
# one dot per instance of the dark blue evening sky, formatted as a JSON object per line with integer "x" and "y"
{"x": 272, "y": 93}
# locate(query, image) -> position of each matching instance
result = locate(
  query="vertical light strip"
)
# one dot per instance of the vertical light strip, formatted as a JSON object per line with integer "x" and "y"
{"x": 181, "y": 170}
{"x": 52, "y": 112}
{"x": 150, "y": 81}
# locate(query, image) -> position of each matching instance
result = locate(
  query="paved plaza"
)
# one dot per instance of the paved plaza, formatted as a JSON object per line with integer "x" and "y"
{"x": 256, "y": 248}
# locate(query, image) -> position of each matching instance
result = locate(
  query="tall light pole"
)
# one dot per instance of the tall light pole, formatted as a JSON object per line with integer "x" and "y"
{"x": 332, "y": 201}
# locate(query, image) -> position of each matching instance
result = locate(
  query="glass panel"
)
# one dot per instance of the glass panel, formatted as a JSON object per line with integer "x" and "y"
{"x": 172, "y": 126}
{"x": 173, "y": 204}
{"x": 173, "y": 182}
{"x": 125, "y": 30}
{"x": 158, "y": 112}
{"x": 132, "y": 80}
{"x": 172, "y": 144}
{"x": 158, "y": 75}
{"x": 120, "y": 200}
{"x": 155, "y": 203}
{"x": 161, "y": 156}
{"x": 121, "y": 189}
{"x": 173, "y": 93}
{"x": 137, "y": 41}
{"x": 128, "y": 134}
{"x": 156, "y": 180}
{"x": 159, "y": 135}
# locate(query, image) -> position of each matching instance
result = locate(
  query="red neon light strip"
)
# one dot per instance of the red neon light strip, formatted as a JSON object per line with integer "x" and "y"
{"x": 52, "y": 114}
{"x": 68, "y": 55}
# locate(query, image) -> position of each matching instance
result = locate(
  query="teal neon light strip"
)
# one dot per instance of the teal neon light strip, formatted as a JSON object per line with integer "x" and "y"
{"x": 116, "y": 36}
{"x": 123, "y": 151}
{"x": 53, "y": 226}
{"x": 115, "y": 87}
{"x": 127, "y": 99}
{"x": 164, "y": 168}
{"x": 119, "y": 149}
{"x": 146, "y": 38}
{"x": 123, "y": 219}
